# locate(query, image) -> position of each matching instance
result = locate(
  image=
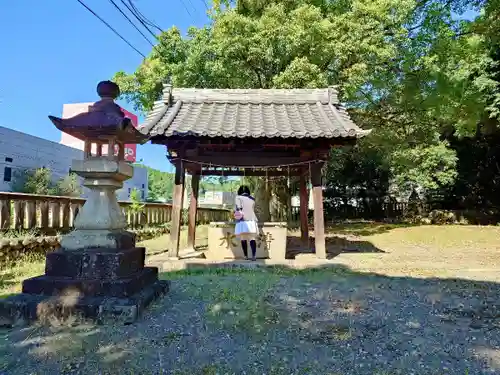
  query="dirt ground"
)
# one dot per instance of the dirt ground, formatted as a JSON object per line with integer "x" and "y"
{"x": 471, "y": 252}
{"x": 398, "y": 300}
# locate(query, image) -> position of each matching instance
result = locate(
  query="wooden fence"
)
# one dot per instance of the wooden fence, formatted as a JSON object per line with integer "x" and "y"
{"x": 394, "y": 210}
{"x": 54, "y": 213}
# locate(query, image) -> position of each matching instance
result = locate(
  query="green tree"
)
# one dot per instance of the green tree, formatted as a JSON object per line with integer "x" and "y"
{"x": 160, "y": 185}
{"x": 355, "y": 173}
{"x": 37, "y": 181}
{"x": 411, "y": 70}
{"x": 68, "y": 186}
{"x": 136, "y": 206}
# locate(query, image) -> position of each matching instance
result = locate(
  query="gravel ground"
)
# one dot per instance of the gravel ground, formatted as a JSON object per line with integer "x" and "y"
{"x": 330, "y": 321}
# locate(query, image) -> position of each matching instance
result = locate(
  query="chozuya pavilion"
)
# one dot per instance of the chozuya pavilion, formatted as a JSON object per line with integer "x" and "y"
{"x": 251, "y": 132}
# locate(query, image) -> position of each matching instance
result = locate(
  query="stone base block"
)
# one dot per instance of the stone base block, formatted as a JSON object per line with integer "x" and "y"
{"x": 60, "y": 286}
{"x": 24, "y": 308}
{"x": 98, "y": 238}
{"x": 95, "y": 263}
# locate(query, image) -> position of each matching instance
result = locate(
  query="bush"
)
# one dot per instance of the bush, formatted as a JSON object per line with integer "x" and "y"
{"x": 443, "y": 217}
{"x": 137, "y": 206}
{"x": 439, "y": 217}
{"x": 39, "y": 181}
{"x": 68, "y": 186}
{"x": 184, "y": 216}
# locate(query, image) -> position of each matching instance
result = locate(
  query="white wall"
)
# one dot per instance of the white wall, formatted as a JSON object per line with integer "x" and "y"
{"x": 139, "y": 181}
{"x": 29, "y": 152}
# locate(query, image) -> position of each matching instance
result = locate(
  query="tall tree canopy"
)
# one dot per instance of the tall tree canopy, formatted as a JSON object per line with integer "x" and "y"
{"x": 415, "y": 71}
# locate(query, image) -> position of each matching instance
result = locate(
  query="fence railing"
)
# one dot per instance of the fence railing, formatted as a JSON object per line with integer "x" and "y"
{"x": 55, "y": 213}
{"x": 393, "y": 210}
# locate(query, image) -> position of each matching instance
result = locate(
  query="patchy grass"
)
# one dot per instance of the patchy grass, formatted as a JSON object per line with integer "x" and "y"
{"x": 229, "y": 302}
{"x": 360, "y": 317}
{"x": 11, "y": 277}
{"x": 417, "y": 250}
{"x": 235, "y": 301}
{"x": 19, "y": 233}
{"x": 272, "y": 321}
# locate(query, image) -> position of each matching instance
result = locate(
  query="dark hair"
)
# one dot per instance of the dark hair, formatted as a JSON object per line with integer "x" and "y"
{"x": 243, "y": 190}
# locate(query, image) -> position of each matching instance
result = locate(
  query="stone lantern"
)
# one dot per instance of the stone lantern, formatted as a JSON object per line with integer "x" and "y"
{"x": 98, "y": 272}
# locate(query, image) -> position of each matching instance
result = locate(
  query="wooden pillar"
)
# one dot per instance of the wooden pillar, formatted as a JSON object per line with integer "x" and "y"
{"x": 319, "y": 218}
{"x": 178, "y": 197}
{"x": 193, "y": 207}
{"x": 304, "y": 208}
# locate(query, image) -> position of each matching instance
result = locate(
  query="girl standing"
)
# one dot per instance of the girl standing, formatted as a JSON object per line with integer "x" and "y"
{"x": 246, "y": 226}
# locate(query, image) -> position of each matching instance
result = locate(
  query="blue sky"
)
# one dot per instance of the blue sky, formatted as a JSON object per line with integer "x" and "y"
{"x": 55, "y": 52}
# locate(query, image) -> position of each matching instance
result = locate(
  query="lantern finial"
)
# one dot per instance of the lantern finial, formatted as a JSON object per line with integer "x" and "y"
{"x": 108, "y": 89}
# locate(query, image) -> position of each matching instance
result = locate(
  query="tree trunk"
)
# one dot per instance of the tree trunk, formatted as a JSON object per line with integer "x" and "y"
{"x": 262, "y": 200}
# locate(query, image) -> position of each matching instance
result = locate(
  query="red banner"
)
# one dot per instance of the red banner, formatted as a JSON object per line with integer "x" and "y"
{"x": 130, "y": 150}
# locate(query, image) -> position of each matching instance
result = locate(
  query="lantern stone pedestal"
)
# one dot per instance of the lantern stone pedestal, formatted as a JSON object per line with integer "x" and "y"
{"x": 98, "y": 273}
{"x": 100, "y": 222}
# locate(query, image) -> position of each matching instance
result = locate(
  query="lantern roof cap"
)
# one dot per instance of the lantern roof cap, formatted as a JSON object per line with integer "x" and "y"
{"x": 104, "y": 120}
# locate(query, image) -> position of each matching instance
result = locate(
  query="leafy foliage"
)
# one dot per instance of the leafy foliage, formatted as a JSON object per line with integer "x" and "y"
{"x": 39, "y": 181}
{"x": 36, "y": 181}
{"x": 69, "y": 186}
{"x": 416, "y": 72}
{"x": 478, "y": 173}
{"x": 357, "y": 173}
{"x": 136, "y": 206}
{"x": 160, "y": 185}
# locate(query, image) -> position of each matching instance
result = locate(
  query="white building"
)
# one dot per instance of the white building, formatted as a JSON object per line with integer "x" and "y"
{"x": 20, "y": 151}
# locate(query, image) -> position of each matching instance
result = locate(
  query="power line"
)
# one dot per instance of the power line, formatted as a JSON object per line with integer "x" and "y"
{"x": 130, "y": 21}
{"x": 187, "y": 10}
{"x": 139, "y": 19}
{"x": 143, "y": 17}
{"x": 111, "y": 28}
{"x": 190, "y": 2}
{"x": 206, "y": 4}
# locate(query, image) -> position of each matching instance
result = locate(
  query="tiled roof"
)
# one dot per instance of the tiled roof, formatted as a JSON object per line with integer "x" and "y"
{"x": 295, "y": 113}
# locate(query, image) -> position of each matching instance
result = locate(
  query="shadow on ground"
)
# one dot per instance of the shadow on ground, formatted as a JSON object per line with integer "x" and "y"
{"x": 364, "y": 228}
{"x": 335, "y": 245}
{"x": 230, "y": 318}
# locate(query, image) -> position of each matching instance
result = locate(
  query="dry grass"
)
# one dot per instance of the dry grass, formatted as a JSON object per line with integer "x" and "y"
{"x": 11, "y": 277}
{"x": 465, "y": 251}
{"x": 420, "y": 251}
